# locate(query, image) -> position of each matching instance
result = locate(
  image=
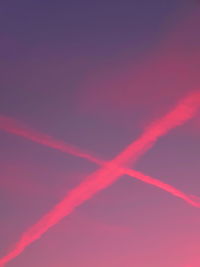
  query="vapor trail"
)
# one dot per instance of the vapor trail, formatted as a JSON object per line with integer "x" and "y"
{"x": 109, "y": 173}
{"x": 11, "y": 125}
{"x": 166, "y": 187}
{"x": 184, "y": 111}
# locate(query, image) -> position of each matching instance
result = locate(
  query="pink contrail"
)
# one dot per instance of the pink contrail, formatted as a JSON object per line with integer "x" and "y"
{"x": 166, "y": 187}
{"x": 11, "y": 125}
{"x": 183, "y": 112}
{"x": 109, "y": 173}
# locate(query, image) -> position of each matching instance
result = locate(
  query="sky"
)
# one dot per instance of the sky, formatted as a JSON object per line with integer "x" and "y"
{"x": 96, "y": 75}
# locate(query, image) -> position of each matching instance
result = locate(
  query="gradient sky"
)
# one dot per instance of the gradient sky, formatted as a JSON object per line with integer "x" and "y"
{"x": 95, "y": 75}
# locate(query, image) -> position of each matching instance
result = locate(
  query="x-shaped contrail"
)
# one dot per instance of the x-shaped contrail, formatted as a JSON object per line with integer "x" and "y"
{"x": 108, "y": 173}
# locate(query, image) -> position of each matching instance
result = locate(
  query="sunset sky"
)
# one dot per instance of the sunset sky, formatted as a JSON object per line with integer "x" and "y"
{"x": 95, "y": 75}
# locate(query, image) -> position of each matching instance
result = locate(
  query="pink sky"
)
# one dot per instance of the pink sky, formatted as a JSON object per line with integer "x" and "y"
{"x": 101, "y": 100}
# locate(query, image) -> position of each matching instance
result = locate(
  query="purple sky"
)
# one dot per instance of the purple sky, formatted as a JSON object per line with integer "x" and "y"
{"x": 95, "y": 74}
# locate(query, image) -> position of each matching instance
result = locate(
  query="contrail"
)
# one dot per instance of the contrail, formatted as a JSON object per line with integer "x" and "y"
{"x": 192, "y": 200}
{"x": 13, "y": 126}
{"x": 183, "y": 112}
{"x": 108, "y": 174}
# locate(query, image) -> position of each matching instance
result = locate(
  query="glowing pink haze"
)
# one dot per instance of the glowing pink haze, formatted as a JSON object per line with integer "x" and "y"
{"x": 109, "y": 172}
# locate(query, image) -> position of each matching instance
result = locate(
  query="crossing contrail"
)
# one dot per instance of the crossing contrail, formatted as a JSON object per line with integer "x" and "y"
{"x": 13, "y": 126}
{"x": 185, "y": 110}
{"x": 106, "y": 175}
